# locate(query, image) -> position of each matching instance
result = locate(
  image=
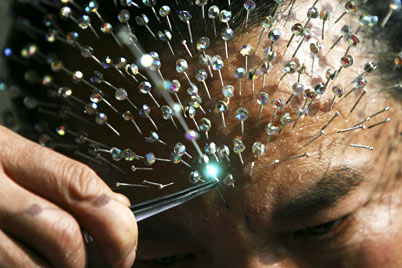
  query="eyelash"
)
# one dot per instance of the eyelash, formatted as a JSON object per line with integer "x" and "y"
{"x": 164, "y": 262}
{"x": 169, "y": 261}
{"x": 324, "y": 229}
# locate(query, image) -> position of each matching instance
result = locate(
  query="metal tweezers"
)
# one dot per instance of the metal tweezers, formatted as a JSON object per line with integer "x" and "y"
{"x": 158, "y": 205}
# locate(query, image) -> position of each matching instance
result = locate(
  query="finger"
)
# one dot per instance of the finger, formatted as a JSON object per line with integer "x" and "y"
{"x": 95, "y": 259}
{"x": 76, "y": 188}
{"x": 41, "y": 225}
{"x": 14, "y": 254}
{"x": 22, "y": 156}
{"x": 123, "y": 199}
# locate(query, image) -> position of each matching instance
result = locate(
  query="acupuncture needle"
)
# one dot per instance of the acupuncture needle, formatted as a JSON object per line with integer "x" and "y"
{"x": 158, "y": 205}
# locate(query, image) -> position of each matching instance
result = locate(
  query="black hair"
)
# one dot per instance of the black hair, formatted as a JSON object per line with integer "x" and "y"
{"x": 386, "y": 43}
{"x": 19, "y": 38}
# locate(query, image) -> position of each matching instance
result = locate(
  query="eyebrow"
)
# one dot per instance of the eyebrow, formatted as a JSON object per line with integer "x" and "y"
{"x": 326, "y": 193}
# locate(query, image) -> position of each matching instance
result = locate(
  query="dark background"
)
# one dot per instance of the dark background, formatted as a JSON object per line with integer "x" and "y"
{"x": 4, "y": 25}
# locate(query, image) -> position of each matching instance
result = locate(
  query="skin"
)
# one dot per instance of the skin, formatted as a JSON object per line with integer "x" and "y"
{"x": 47, "y": 198}
{"x": 247, "y": 232}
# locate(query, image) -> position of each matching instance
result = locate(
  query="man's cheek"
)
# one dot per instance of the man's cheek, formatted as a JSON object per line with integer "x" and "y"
{"x": 377, "y": 242}
{"x": 381, "y": 251}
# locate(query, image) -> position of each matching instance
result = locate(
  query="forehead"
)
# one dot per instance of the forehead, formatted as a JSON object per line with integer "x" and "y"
{"x": 288, "y": 143}
{"x": 266, "y": 181}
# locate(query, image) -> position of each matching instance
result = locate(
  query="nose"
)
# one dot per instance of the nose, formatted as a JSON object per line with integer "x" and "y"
{"x": 259, "y": 262}
{"x": 262, "y": 264}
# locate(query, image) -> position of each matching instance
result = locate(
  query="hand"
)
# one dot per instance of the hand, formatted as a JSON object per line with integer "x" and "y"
{"x": 45, "y": 200}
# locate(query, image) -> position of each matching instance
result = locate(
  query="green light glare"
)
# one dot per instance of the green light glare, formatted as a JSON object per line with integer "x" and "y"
{"x": 211, "y": 171}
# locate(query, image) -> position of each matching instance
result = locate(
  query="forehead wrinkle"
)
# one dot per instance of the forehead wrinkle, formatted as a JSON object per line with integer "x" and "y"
{"x": 234, "y": 130}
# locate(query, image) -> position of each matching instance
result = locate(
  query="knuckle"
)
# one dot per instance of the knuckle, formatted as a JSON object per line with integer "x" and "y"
{"x": 81, "y": 183}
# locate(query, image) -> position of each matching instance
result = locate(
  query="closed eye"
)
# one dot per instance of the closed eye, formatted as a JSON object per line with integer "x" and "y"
{"x": 322, "y": 229}
{"x": 164, "y": 262}
{"x": 170, "y": 261}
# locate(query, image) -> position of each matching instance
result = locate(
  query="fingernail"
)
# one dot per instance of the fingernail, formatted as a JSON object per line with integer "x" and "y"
{"x": 129, "y": 261}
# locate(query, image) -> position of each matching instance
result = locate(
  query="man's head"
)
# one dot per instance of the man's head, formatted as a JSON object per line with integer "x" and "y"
{"x": 302, "y": 197}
